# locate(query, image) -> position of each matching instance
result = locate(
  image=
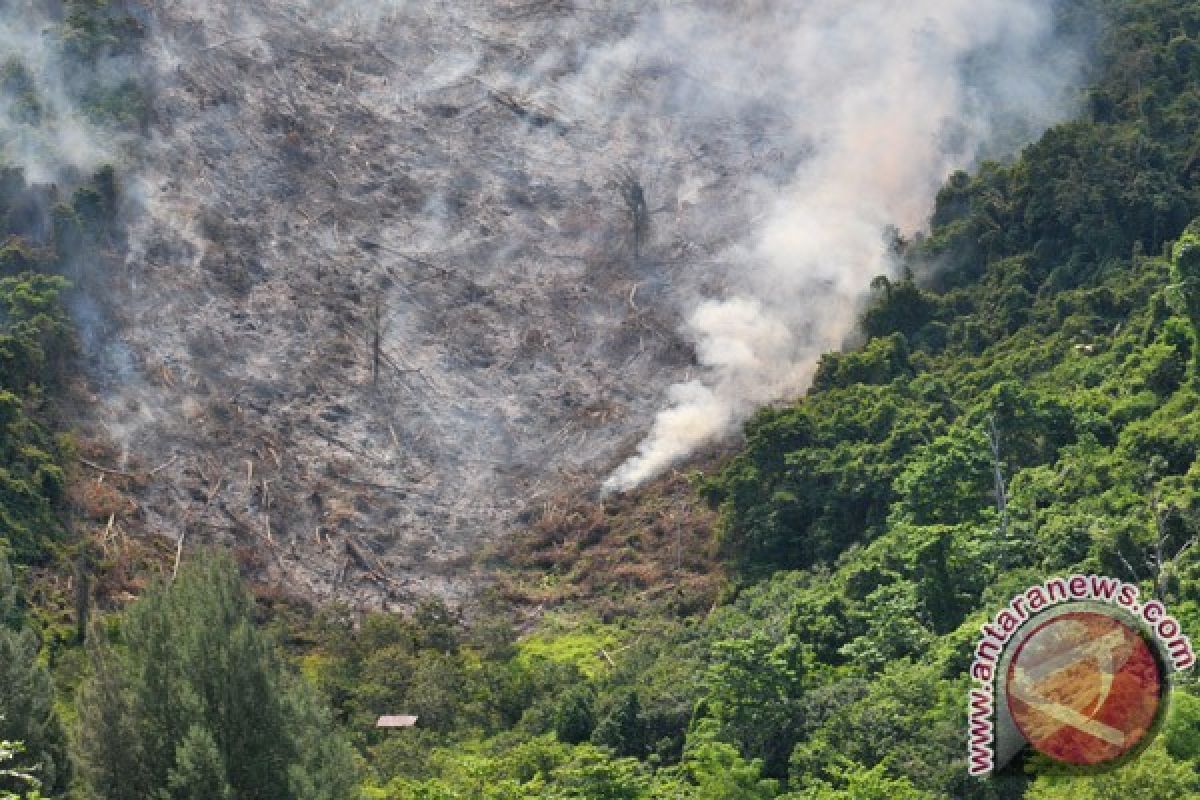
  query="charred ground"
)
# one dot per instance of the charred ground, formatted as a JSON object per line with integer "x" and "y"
{"x": 392, "y": 281}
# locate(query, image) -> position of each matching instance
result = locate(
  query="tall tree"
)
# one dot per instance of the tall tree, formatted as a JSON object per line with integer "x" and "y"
{"x": 107, "y": 745}
{"x": 624, "y": 729}
{"x": 204, "y": 702}
{"x": 754, "y": 685}
{"x": 1185, "y": 263}
{"x": 199, "y": 772}
{"x": 27, "y": 701}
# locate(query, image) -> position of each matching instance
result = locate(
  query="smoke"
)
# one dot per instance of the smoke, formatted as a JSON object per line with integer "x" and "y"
{"x": 386, "y": 251}
{"x": 882, "y": 101}
{"x": 45, "y": 128}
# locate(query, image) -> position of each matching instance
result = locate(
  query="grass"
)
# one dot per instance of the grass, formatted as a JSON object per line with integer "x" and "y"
{"x": 576, "y": 641}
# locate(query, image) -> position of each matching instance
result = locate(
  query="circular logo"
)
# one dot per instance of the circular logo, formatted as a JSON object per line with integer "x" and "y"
{"x": 1084, "y": 688}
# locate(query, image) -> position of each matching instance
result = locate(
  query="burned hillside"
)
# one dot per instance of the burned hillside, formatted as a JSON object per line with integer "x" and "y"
{"x": 397, "y": 278}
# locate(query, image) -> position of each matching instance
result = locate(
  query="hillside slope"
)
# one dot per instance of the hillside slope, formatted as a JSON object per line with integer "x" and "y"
{"x": 399, "y": 275}
{"x": 793, "y": 619}
{"x": 1043, "y": 350}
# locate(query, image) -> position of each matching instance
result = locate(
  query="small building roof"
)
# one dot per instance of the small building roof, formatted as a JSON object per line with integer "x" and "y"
{"x": 396, "y": 721}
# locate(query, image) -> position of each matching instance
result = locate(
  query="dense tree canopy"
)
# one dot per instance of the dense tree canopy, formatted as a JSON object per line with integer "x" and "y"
{"x": 192, "y": 699}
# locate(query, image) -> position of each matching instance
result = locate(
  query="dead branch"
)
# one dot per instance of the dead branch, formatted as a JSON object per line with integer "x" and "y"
{"x": 178, "y": 554}
{"x": 396, "y": 490}
{"x": 107, "y": 470}
{"x": 228, "y": 42}
{"x": 163, "y": 466}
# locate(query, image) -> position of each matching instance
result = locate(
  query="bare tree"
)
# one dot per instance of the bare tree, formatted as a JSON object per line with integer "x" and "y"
{"x": 634, "y": 197}
{"x": 1161, "y": 562}
{"x": 376, "y": 324}
{"x": 1161, "y": 557}
{"x": 998, "y": 476}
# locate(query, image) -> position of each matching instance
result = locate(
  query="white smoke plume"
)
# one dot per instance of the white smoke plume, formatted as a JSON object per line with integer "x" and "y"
{"x": 885, "y": 100}
{"x": 43, "y": 129}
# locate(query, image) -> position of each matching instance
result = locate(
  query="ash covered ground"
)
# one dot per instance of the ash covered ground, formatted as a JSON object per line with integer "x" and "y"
{"x": 401, "y": 274}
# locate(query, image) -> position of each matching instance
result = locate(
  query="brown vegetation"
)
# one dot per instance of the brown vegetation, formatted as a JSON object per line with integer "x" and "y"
{"x": 617, "y": 554}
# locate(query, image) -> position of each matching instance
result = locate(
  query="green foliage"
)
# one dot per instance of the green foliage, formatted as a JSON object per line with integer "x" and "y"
{"x": 593, "y": 775}
{"x": 880, "y": 362}
{"x": 199, "y": 772}
{"x": 19, "y": 89}
{"x": 716, "y": 771}
{"x": 906, "y": 720}
{"x": 754, "y": 685}
{"x": 947, "y": 481}
{"x": 36, "y": 348}
{"x": 1025, "y": 407}
{"x": 1185, "y": 264}
{"x": 817, "y": 477}
{"x": 863, "y": 784}
{"x": 901, "y": 308}
{"x": 34, "y": 333}
{"x": 572, "y": 643}
{"x": 1024, "y": 403}
{"x": 1154, "y": 775}
{"x": 623, "y": 729}
{"x": 27, "y": 711}
{"x": 8, "y": 774}
{"x": 125, "y": 106}
{"x": 325, "y": 765}
{"x": 202, "y": 703}
{"x": 575, "y": 717}
{"x": 1182, "y": 724}
{"x": 93, "y": 29}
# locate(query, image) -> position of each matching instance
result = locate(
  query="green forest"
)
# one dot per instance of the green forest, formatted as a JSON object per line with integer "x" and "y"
{"x": 1025, "y": 403}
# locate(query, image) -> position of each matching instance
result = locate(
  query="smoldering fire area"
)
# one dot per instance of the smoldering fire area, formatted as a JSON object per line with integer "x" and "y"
{"x": 395, "y": 273}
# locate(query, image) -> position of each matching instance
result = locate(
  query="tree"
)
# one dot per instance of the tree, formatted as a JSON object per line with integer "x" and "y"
{"x": 27, "y": 701}
{"x": 1179, "y": 731}
{"x": 1185, "y": 263}
{"x": 201, "y": 699}
{"x": 8, "y": 751}
{"x": 624, "y": 729}
{"x": 894, "y": 628}
{"x": 947, "y": 481}
{"x": 859, "y": 783}
{"x": 199, "y": 771}
{"x": 33, "y": 344}
{"x": 1153, "y": 775}
{"x": 437, "y": 689}
{"x": 574, "y": 718}
{"x": 908, "y": 720}
{"x": 593, "y": 775}
{"x": 896, "y": 308}
{"x": 719, "y": 772}
{"x": 754, "y": 688}
{"x": 325, "y": 766}
{"x": 107, "y": 742}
